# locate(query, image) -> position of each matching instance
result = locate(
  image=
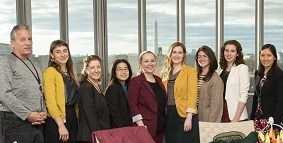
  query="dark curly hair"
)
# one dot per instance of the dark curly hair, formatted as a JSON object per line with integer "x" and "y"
{"x": 239, "y": 59}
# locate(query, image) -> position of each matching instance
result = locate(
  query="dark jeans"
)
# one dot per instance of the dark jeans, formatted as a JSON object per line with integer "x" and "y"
{"x": 51, "y": 133}
{"x": 15, "y": 129}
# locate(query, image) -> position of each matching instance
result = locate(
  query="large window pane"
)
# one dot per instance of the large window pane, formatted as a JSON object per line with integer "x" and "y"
{"x": 273, "y": 26}
{"x": 161, "y": 28}
{"x": 8, "y": 20}
{"x": 123, "y": 32}
{"x": 239, "y": 20}
{"x": 45, "y": 28}
{"x": 200, "y": 26}
{"x": 80, "y": 31}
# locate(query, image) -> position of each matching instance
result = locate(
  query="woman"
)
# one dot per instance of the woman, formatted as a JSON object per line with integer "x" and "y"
{"x": 210, "y": 86}
{"x": 268, "y": 98}
{"x": 236, "y": 79}
{"x": 60, "y": 92}
{"x": 117, "y": 94}
{"x": 147, "y": 98}
{"x": 180, "y": 82}
{"x": 94, "y": 112}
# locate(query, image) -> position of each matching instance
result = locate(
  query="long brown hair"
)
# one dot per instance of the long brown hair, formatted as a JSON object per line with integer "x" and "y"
{"x": 69, "y": 64}
{"x": 212, "y": 62}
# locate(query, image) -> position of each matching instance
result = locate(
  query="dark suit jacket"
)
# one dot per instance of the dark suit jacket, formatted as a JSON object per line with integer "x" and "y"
{"x": 118, "y": 106}
{"x": 271, "y": 96}
{"x": 93, "y": 112}
{"x": 142, "y": 101}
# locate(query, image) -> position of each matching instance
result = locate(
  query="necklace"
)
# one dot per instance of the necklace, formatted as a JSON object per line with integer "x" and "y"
{"x": 96, "y": 86}
{"x": 65, "y": 71}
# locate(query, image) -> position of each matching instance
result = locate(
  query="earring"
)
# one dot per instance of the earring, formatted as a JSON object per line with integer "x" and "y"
{"x": 52, "y": 60}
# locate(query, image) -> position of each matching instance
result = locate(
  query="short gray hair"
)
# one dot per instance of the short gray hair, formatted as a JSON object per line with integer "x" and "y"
{"x": 16, "y": 28}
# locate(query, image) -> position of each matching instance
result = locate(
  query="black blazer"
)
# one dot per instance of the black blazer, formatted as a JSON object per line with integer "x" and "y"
{"x": 93, "y": 112}
{"x": 271, "y": 96}
{"x": 118, "y": 106}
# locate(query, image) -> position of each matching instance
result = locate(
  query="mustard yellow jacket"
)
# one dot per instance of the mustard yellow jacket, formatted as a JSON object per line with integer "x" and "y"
{"x": 54, "y": 93}
{"x": 185, "y": 91}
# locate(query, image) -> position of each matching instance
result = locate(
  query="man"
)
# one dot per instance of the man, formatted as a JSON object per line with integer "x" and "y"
{"x": 22, "y": 109}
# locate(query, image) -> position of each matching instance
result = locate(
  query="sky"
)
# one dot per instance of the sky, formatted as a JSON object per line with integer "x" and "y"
{"x": 239, "y": 20}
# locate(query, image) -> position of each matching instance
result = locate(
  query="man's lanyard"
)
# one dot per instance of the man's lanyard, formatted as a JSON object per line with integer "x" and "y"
{"x": 35, "y": 76}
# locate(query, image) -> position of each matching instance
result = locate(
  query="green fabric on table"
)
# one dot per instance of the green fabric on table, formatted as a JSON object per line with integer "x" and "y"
{"x": 251, "y": 138}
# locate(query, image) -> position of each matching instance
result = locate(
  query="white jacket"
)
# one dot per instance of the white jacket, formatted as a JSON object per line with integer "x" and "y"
{"x": 237, "y": 88}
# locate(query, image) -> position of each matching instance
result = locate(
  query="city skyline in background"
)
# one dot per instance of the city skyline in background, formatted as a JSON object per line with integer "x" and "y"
{"x": 239, "y": 19}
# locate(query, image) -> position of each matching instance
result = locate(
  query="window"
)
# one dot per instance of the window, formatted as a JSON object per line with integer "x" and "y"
{"x": 81, "y": 34}
{"x": 273, "y": 27}
{"x": 123, "y": 32}
{"x": 200, "y": 27}
{"x": 239, "y": 20}
{"x": 45, "y": 29}
{"x": 8, "y": 21}
{"x": 161, "y": 28}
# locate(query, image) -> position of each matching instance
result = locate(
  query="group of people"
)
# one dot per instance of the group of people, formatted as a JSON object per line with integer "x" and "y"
{"x": 54, "y": 107}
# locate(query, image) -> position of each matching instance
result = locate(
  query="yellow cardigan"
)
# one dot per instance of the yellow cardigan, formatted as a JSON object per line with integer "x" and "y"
{"x": 54, "y": 93}
{"x": 185, "y": 91}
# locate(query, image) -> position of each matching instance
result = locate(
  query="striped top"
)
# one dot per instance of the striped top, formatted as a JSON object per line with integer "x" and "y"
{"x": 200, "y": 81}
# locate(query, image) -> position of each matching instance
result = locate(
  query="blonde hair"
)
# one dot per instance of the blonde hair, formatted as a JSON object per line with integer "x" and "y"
{"x": 141, "y": 58}
{"x": 168, "y": 61}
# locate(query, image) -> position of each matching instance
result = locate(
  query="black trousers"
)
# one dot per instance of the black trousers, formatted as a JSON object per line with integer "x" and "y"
{"x": 50, "y": 128}
{"x": 15, "y": 129}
